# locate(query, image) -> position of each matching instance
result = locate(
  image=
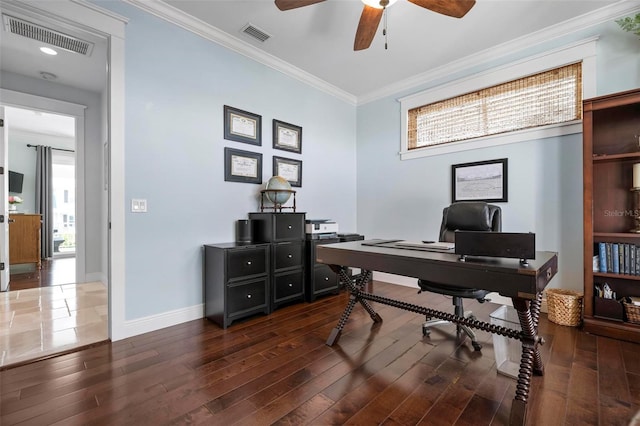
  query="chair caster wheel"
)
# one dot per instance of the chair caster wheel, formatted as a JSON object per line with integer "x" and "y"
{"x": 476, "y": 346}
{"x": 426, "y": 332}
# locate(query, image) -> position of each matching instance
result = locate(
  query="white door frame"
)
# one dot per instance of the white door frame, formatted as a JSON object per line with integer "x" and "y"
{"x": 94, "y": 18}
{"x": 15, "y": 99}
{"x": 4, "y": 192}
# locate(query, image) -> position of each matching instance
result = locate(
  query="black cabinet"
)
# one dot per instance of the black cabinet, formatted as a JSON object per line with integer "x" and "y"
{"x": 237, "y": 281}
{"x": 321, "y": 279}
{"x": 285, "y": 234}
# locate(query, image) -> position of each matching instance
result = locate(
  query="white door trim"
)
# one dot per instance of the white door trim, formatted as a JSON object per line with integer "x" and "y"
{"x": 111, "y": 25}
{"x": 15, "y": 99}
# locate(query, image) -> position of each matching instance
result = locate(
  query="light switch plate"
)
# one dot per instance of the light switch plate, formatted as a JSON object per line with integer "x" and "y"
{"x": 138, "y": 205}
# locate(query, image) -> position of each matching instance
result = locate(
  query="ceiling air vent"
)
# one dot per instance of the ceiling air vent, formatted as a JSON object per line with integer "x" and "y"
{"x": 256, "y": 33}
{"x": 46, "y": 35}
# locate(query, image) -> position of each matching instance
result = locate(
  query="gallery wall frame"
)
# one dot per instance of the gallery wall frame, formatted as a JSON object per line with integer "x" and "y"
{"x": 287, "y": 137}
{"x": 480, "y": 181}
{"x": 242, "y": 126}
{"x": 242, "y": 166}
{"x": 289, "y": 169}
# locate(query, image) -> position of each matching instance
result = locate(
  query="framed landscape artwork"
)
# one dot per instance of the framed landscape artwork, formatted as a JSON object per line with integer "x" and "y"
{"x": 480, "y": 181}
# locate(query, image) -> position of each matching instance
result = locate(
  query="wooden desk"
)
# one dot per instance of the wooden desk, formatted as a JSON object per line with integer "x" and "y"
{"x": 523, "y": 284}
{"x": 24, "y": 238}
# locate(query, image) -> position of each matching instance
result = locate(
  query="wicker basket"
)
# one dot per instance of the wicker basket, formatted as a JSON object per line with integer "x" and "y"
{"x": 564, "y": 307}
{"x": 633, "y": 312}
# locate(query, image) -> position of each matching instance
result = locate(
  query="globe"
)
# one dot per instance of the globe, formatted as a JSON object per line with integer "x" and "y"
{"x": 278, "y": 183}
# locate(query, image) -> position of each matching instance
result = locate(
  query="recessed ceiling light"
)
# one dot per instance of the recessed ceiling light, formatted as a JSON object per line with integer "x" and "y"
{"x": 48, "y": 51}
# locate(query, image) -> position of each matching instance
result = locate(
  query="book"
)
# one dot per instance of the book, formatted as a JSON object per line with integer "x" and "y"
{"x": 617, "y": 257}
{"x": 627, "y": 259}
{"x": 602, "y": 254}
{"x": 632, "y": 259}
{"x": 609, "y": 257}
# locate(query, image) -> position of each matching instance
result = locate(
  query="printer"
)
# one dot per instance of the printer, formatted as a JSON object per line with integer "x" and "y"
{"x": 321, "y": 228}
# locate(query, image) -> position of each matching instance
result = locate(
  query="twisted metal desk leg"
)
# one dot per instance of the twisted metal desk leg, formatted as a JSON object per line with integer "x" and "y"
{"x": 355, "y": 290}
{"x": 538, "y": 367}
{"x": 530, "y": 357}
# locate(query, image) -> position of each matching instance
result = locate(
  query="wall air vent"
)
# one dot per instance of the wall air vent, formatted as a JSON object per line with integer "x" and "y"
{"x": 255, "y": 32}
{"x": 46, "y": 35}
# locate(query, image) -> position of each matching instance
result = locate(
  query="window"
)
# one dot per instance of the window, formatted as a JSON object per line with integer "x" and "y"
{"x": 545, "y": 98}
{"x": 581, "y": 56}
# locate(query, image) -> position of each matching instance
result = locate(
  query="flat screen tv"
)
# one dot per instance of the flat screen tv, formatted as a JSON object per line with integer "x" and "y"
{"x": 15, "y": 182}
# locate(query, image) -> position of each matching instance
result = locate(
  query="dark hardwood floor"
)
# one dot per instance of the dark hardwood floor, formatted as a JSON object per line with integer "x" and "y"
{"x": 277, "y": 370}
{"x": 54, "y": 272}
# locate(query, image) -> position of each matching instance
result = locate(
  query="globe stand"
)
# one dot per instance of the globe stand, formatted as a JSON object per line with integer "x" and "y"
{"x": 277, "y": 207}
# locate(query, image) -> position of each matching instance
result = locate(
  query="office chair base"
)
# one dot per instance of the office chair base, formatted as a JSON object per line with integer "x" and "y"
{"x": 461, "y": 330}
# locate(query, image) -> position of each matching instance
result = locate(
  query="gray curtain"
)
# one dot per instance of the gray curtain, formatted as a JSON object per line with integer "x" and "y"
{"x": 44, "y": 198}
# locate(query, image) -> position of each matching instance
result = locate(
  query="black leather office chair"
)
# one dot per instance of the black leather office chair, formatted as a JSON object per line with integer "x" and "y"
{"x": 462, "y": 216}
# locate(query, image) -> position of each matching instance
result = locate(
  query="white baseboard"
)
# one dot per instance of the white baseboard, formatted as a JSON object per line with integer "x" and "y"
{"x": 163, "y": 320}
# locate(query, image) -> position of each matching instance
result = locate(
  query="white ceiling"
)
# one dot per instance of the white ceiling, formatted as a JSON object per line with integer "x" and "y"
{"x": 316, "y": 42}
{"x": 318, "y": 39}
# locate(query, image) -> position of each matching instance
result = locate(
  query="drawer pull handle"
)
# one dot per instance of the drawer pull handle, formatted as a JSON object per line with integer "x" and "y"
{"x": 248, "y": 296}
{"x": 249, "y": 263}
{"x": 290, "y": 256}
{"x": 289, "y": 226}
{"x": 326, "y": 278}
{"x": 290, "y": 285}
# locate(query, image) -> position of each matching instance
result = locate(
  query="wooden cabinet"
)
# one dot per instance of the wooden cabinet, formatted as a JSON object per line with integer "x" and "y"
{"x": 611, "y": 132}
{"x": 24, "y": 239}
{"x": 236, "y": 281}
{"x": 285, "y": 233}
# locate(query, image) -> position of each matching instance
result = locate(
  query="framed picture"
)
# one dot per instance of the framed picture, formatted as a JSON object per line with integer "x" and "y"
{"x": 242, "y": 166}
{"x": 287, "y": 136}
{"x": 289, "y": 169}
{"x": 480, "y": 181}
{"x": 242, "y": 126}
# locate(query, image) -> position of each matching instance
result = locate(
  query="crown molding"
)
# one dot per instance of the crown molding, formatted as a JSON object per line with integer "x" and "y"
{"x": 175, "y": 16}
{"x": 582, "y": 22}
{"x": 209, "y": 32}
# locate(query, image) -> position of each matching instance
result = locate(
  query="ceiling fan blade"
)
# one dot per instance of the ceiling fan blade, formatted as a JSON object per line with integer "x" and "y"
{"x": 294, "y": 4}
{"x": 367, "y": 27}
{"x": 453, "y": 8}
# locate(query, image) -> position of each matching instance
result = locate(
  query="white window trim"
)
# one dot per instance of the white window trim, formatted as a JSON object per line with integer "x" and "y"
{"x": 584, "y": 50}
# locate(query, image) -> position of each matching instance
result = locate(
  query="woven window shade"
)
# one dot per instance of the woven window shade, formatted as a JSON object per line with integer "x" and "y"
{"x": 549, "y": 97}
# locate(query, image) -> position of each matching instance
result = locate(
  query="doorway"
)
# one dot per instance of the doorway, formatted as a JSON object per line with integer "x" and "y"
{"x": 27, "y": 130}
{"x": 111, "y": 28}
{"x": 84, "y": 243}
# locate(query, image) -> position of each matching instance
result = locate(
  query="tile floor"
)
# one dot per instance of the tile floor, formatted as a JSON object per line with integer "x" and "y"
{"x": 41, "y": 321}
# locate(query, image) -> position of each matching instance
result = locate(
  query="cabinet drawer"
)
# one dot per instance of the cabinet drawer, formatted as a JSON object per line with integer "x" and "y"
{"x": 288, "y": 285}
{"x": 246, "y": 296}
{"x": 247, "y": 261}
{"x": 289, "y": 227}
{"x": 324, "y": 278}
{"x": 288, "y": 255}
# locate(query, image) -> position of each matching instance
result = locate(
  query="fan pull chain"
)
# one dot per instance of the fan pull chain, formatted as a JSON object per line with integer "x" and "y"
{"x": 384, "y": 30}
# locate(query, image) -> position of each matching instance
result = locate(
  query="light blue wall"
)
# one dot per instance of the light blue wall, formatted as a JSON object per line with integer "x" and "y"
{"x": 176, "y": 86}
{"x": 545, "y": 176}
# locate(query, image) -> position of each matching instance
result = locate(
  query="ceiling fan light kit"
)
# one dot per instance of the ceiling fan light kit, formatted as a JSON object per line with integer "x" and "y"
{"x": 374, "y": 9}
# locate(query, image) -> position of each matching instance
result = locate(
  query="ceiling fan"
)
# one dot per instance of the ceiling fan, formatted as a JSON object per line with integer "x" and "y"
{"x": 374, "y": 9}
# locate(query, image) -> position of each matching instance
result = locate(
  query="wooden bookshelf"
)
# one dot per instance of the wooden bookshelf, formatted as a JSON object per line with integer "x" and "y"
{"x": 611, "y": 132}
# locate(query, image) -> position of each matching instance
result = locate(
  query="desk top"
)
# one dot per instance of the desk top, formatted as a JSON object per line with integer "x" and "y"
{"x": 505, "y": 276}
